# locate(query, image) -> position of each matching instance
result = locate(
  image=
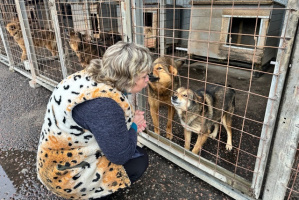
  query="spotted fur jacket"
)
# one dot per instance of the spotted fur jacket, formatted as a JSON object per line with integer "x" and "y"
{"x": 70, "y": 162}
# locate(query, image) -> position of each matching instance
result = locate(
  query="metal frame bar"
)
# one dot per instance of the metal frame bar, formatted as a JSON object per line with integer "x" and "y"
{"x": 137, "y": 20}
{"x": 55, "y": 21}
{"x": 162, "y": 19}
{"x": 126, "y": 20}
{"x": 277, "y": 86}
{"x": 287, "y": 132}
{"x": 204, "y": 169}
{"x": 25, "y": 27}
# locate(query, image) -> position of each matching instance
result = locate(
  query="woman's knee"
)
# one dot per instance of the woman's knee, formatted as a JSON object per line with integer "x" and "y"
{"x": 136, "y": 167}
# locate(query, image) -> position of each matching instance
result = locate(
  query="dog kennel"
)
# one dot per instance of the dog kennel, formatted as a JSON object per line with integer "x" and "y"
{"x": 161, "y": 24}
{"x": 236, "y": 29}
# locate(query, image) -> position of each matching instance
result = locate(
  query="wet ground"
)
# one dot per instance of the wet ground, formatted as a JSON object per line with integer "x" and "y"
{"x": 21, "y": 115}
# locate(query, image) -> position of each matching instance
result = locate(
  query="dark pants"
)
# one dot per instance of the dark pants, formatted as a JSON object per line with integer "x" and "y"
{"x": 135, "y": 168}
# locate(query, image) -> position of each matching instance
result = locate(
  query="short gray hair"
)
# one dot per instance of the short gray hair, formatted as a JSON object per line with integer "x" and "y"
{"x": 121, "y": 63}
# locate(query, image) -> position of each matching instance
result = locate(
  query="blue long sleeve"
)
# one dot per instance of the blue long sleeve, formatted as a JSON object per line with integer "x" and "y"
{"x": 105, "y": 119}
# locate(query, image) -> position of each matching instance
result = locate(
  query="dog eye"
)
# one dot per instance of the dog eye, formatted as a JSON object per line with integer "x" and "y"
{"x": 159, "y": 68}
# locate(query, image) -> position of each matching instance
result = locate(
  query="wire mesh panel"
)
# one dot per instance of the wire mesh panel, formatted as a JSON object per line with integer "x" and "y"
{"x": 13, "y": 34}
{"x": 89, "y": 27}
{"x": 216, "y": 67}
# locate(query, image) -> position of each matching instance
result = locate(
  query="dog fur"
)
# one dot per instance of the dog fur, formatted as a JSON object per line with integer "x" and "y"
{"x": 163, "y": 81}
{"x": 85, "y": 49}
{"x": 199, "y": 114}
{"x": 110, "y": 38}
{"x": 44, "y": 38}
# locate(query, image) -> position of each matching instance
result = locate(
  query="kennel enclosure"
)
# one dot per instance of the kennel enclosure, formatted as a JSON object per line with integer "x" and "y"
{"x": 217, "y": 38}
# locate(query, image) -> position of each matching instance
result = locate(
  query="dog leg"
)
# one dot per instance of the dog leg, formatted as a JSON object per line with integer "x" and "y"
{"x": 215, "y": 131}
{"x": 227, "y": 122}
{"x": 201, "y": 139}
{"x": 169, "y": 134}
{"x": 154, "y": 110}
{"x": 187, "y": 135}
{"x": 24, "y": 53}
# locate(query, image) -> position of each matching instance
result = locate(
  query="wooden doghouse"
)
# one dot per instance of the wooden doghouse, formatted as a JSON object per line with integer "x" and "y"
{"x": 244, "y": 32}
{"x": 153, "y": 22}
{"x": 96, "y": 18}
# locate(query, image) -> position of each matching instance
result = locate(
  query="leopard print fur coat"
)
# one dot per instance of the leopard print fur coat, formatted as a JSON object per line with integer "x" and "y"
{"x": 70, "y": 162}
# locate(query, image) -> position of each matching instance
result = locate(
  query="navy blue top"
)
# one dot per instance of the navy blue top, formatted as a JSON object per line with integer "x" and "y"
{"x": 105, "y": 119}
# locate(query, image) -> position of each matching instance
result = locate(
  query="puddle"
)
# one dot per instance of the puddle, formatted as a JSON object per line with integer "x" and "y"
{"x": 6, "y": 185}
{"x": 18, "y": 178}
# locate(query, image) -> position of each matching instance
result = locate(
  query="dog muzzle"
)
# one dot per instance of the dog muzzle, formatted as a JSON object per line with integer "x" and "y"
{"x": 173, "y": 100}
{"x": 152, "y": 78}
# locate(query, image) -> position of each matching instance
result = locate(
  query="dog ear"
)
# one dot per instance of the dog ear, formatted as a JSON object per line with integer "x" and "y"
{"x": 172, "y": 70}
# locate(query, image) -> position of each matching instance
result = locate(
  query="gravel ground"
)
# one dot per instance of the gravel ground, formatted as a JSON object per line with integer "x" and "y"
{"x": 21, "y": 115}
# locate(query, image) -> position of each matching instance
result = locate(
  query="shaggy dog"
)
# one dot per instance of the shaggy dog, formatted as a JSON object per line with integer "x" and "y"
{"x": 41, "y": 38}
{"x": 200, "y": 111}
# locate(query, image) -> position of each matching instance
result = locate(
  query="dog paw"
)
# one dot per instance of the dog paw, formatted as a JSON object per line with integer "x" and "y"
{"x": 169, "y": 136}
{"x": 213, "y": 135}
{"x": 187, "y": 148}
{"x": 228, "y": 147}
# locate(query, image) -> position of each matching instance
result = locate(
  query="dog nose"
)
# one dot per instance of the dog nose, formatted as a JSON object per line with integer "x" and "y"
{"x": 174, "y": 97}
{"x": 150, "y": 75}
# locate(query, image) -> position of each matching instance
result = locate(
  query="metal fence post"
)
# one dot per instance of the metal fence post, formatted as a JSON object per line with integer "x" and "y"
{"x": 6, "y": 44}
{"x": 287, "y": 133}
{"x": 137, "y": 20}
{"x": 162, "y": 13}
{"x": 55, "y": 21}
{"x": 25, "y": 27}
{"x": 126, "y": 20}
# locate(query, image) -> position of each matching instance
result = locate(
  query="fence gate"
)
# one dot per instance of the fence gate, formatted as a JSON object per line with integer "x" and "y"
{"x": 237, "y": 45}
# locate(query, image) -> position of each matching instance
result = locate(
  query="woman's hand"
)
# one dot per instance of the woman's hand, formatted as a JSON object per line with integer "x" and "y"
{"x": 139, "y": 120}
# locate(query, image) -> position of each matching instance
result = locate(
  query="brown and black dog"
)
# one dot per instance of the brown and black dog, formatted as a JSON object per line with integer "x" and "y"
{"x": 85, "y": 49}
{"x": 110, "y": 38}
{"x": 163, "y": 81}
{"x": 199, "y": 111}
{"x": 41, "y": 38}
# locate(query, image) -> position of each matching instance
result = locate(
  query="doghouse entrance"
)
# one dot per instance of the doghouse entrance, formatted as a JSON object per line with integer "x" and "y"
{"x": 150, "y": 29}
{"x": 148, "y": 19}
{"x": 94, "y": 23}
{"x": 242, "y": 32}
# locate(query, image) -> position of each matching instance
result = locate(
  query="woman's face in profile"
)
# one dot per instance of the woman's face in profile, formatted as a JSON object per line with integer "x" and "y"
{"x": 140, "y": 82}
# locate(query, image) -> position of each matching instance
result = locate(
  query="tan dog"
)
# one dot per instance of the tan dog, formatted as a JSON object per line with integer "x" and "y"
{"x": 44, "y": 38}
{"x": 163, "y": 81}
{"x": 198, "y": 113}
